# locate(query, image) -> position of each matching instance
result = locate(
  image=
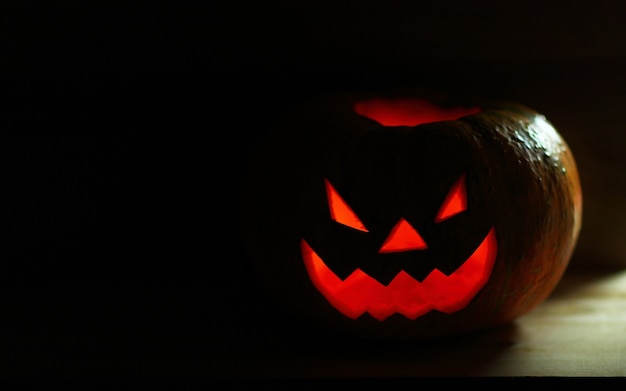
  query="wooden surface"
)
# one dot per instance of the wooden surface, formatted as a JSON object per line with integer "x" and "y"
{"x": 580, "y": 331}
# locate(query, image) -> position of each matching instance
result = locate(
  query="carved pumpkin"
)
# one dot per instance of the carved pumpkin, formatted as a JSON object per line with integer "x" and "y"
{"x": 411, "y": 215}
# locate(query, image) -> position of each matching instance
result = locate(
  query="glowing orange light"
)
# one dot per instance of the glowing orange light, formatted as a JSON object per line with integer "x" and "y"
{"x": 403, "y": 237}
{"x": 455, "y": 202}
{"x": 409, "y": 112}
{"x": 360, "y": 293}
{"x": 340, "y": 211}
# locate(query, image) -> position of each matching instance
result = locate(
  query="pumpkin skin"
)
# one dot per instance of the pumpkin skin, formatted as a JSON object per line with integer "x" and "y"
{"x": 410, "y": 215}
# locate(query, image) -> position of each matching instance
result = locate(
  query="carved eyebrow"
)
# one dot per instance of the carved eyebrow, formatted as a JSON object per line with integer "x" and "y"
{"x": 340, "y": 211}
{"x": 455, "y": 202}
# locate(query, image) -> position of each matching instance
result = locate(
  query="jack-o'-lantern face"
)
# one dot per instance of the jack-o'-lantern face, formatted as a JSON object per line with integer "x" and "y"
{"x": 401, "y": 271}
{"x": 404, "y": 217}
{"x": 404, "y": 294}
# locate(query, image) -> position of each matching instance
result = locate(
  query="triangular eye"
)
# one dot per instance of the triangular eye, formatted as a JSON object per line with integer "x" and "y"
{"x": 455, "y": 202}
{"x": 340, "y": 211}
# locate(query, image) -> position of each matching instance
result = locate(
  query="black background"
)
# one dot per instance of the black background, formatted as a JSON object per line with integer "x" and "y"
{"x": 125, "y": 126}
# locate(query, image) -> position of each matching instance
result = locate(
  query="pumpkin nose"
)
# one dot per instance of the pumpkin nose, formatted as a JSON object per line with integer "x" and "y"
{"x": 403, "y": 237}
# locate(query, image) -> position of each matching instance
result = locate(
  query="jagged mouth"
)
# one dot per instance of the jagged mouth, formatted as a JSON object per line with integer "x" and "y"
{"x": 360, "y": 293}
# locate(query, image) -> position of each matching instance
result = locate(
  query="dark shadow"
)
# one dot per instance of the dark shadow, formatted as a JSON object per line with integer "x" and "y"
{"x": 124, "y": 137}
{"x": 327, "y": 355}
